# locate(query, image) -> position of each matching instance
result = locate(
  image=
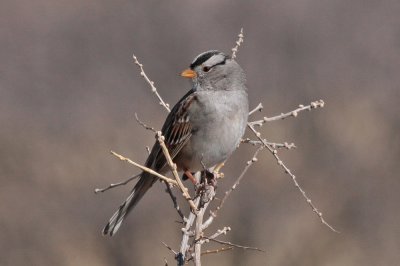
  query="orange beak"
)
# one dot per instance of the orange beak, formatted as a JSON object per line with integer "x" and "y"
{"x": 188, "y": 73}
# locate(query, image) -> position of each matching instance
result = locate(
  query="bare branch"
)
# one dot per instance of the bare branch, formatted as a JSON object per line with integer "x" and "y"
{"x": 144, "y": 168}
{"x": 174, "y": 171}
{"x": 213, "y": 214}
{"x": 259, "y": 108}
{"x": 151, "y": 83}
{"x": 293, "y": 113}
{"x": 174, "y": 201}
{"x": 181, "y": 256}
{"x": 122, "y": 183}
{"x": 144, "y": 125}
{"x": 198, "y": 236}
{"x": 219, "y": 232}
{"x": 238, "y": 43}
{"x": 274, "y": 152}
{"x": 168, "y": 247}
{"x": 240, "y": 177}
{"x": 215, "y": 251}
{"x": 274, "y": 145}
{"x": 236, "y": 245}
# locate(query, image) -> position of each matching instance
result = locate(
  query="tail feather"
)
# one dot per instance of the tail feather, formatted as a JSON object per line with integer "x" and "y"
{"x": 145, "y": 182}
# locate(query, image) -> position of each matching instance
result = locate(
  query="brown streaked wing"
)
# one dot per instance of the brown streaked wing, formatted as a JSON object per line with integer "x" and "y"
{"x": 177, "y": 130}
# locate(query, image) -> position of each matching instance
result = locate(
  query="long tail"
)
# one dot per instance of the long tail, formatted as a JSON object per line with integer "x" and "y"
{"x": 145, "y": 182}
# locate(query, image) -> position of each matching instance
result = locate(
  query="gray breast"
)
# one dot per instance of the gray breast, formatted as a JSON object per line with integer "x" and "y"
{"x": 219, "y": 120}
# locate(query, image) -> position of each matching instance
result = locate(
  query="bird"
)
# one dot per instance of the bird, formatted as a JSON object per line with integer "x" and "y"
{"x": 202, "y": 130}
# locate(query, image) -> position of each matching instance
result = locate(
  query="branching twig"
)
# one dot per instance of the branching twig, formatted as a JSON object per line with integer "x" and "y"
{"x": 151, "y": 83}
{"x": 194, "y": 225}
{"x": 287, "y": 170}
{"x": 215, "y": 251}
{"x": 259, "y": 108}
{"x": 181, "y": 256}
{"x": 174, "y": 171}
{"x": 293, "y": 113}
{"x": 219, "y": 232}
{"x": 144, "y": 168}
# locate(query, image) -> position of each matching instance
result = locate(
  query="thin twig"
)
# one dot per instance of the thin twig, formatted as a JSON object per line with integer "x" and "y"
{"x": 215, "y": 251}
{"x": 238, "y": 43}
{"x": 143, "y": 124}
{"x": 274, "y": 152}
{"x": 249, "y": 163}
{"x": 144, "y": 168}
{"x": 168, "y": 247}
{"x": 259, "y": 108}
{"x": 122, "y": 183}
{"x": 151, "y": 83}
{"x": 174, "y": 171}
{"x": 219, "y": 232}
{"x": 274, "y": 145}
{"x": 236, "y": 245}
{"x": 293, "y": 113}
{"x": 175, "y": 202}
{"x": 240, "y": 177}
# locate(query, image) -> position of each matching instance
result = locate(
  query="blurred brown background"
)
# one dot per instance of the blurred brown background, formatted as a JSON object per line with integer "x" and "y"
{"x": 69, "y": 89}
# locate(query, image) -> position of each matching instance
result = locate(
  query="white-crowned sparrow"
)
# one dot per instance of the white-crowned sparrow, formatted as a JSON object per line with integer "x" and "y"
{"x": 203, "y": 128}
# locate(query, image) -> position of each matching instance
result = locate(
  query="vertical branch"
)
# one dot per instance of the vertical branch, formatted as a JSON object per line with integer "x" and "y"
{"x": 238, "y": 43}
{"x": 198, "y": 235}
{"x": 181, "y": 256}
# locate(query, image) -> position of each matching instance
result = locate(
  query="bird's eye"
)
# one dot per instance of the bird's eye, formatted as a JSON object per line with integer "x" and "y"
{"x": 206, "y": 69}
